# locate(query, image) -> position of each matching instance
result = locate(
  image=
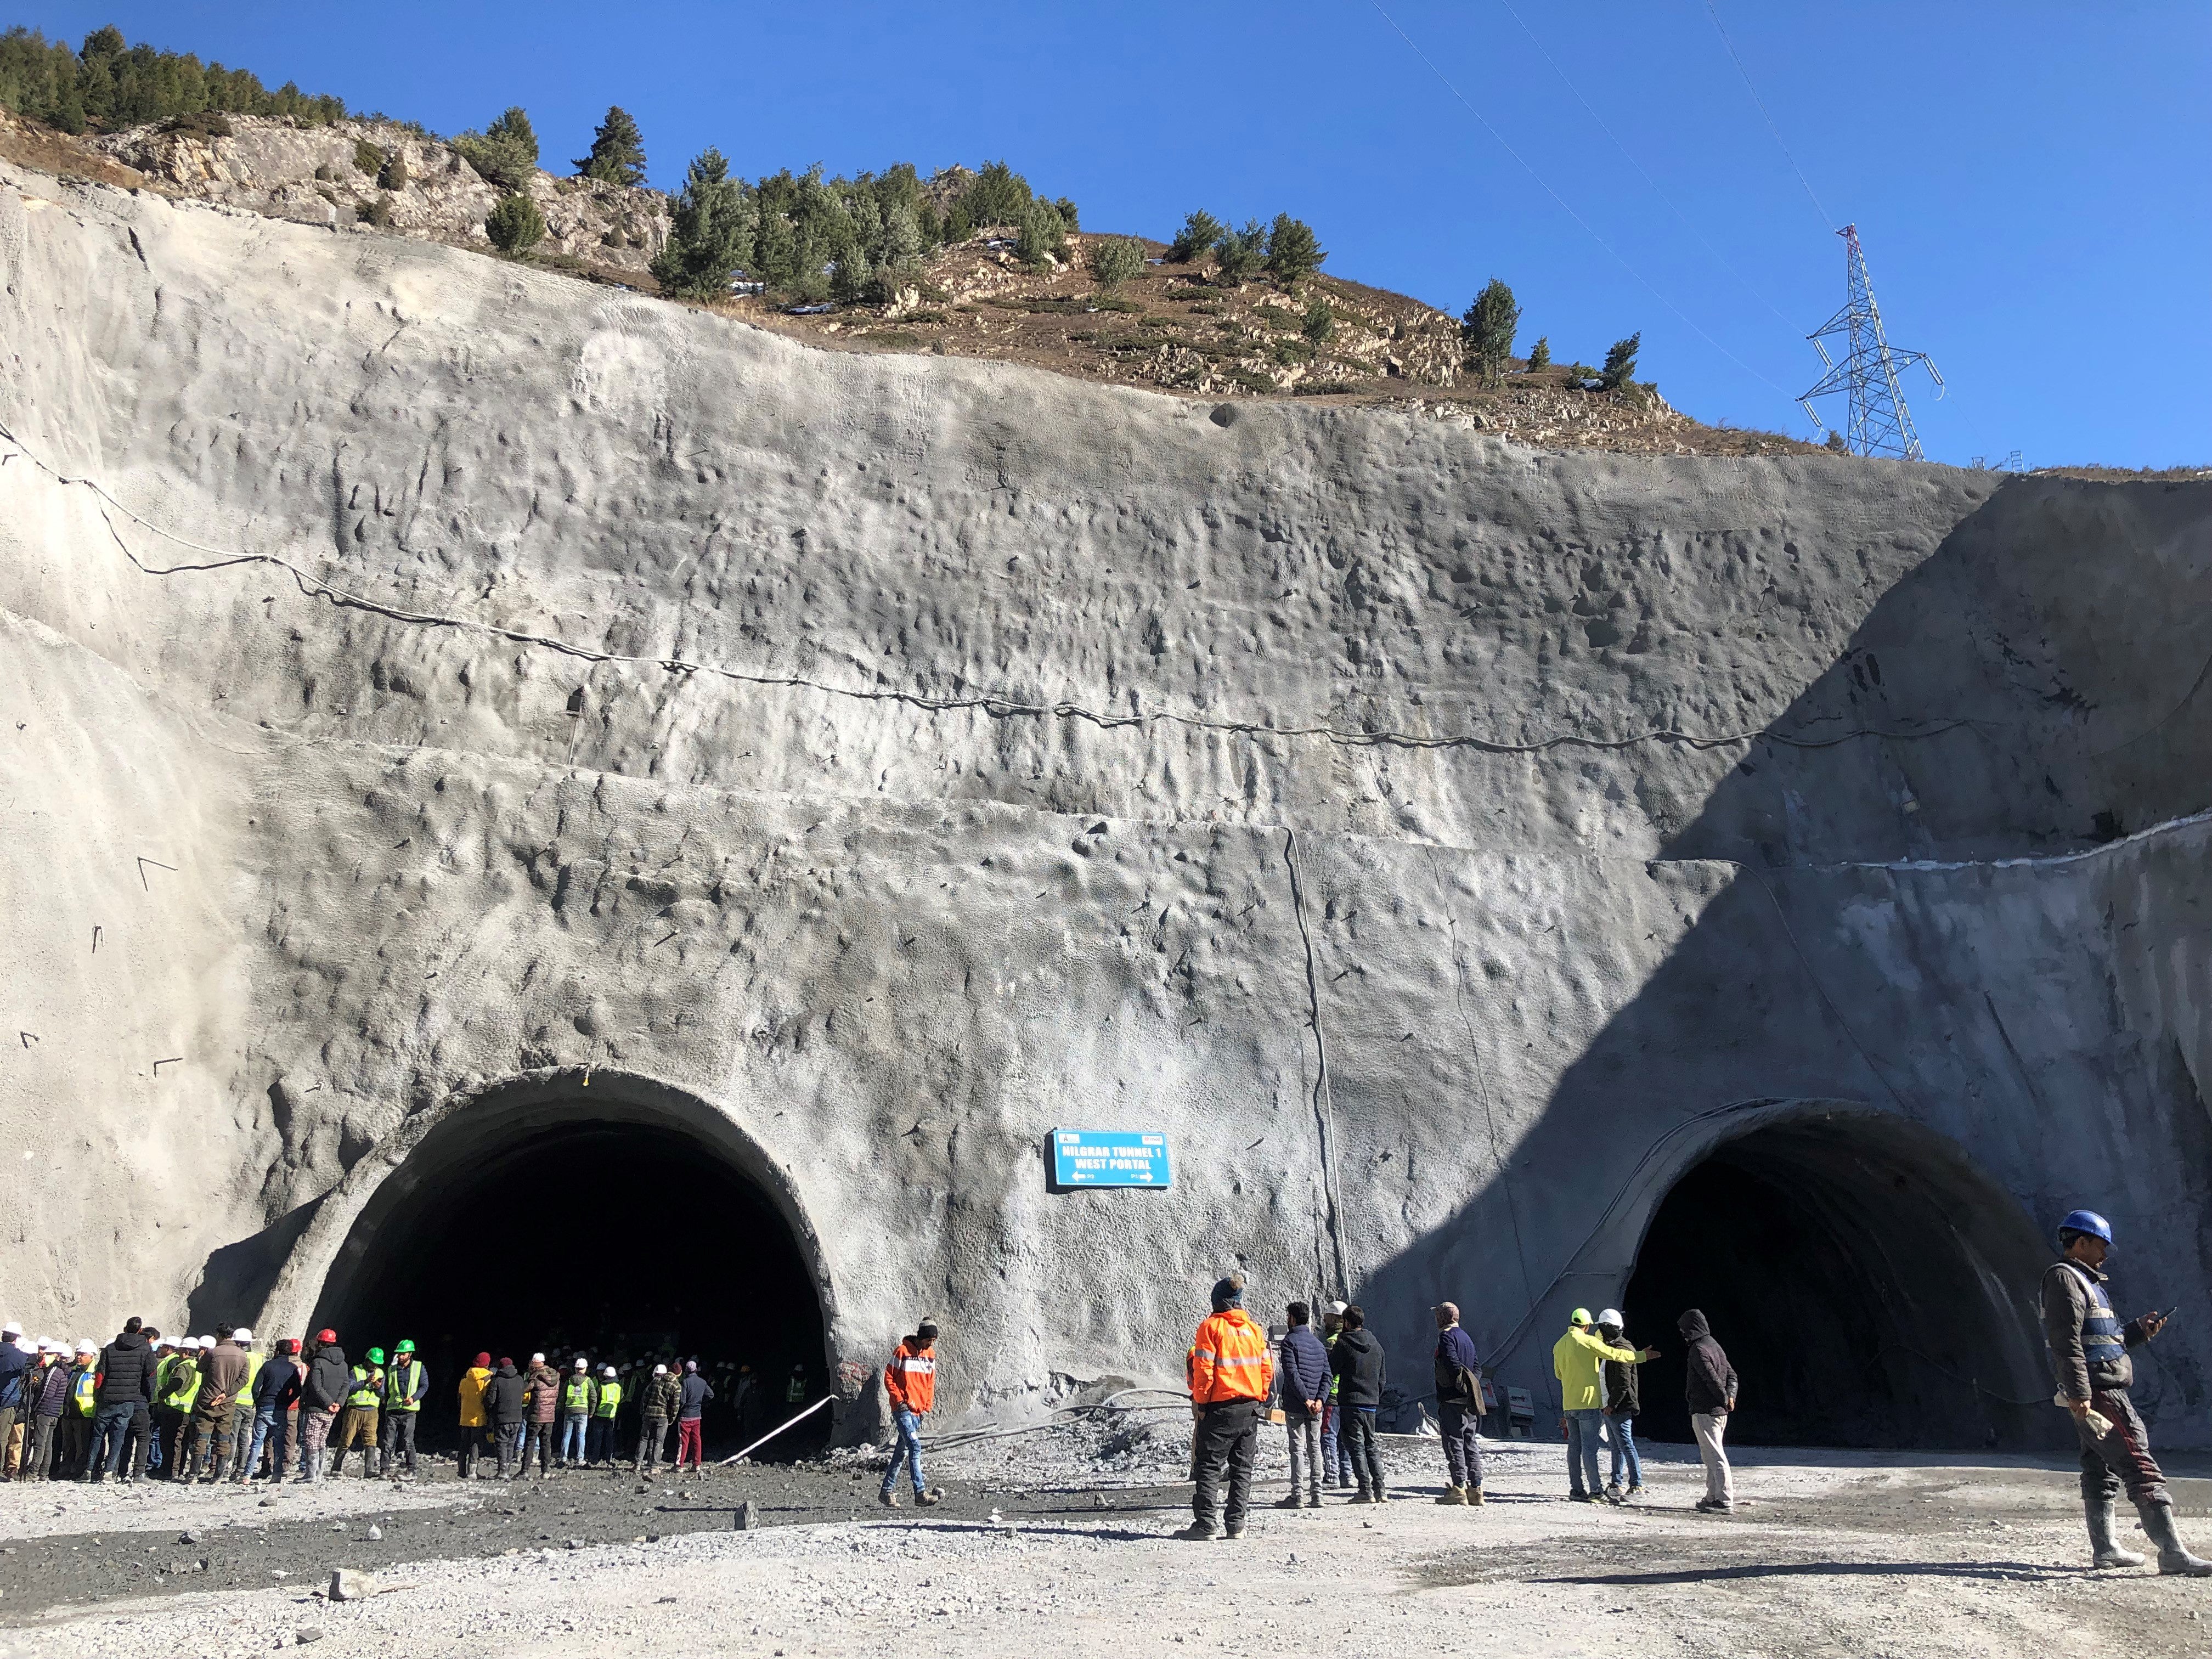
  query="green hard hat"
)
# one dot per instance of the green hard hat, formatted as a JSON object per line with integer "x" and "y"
{"x": 376, "y": 1356}
{"x": 405, "y": 1346}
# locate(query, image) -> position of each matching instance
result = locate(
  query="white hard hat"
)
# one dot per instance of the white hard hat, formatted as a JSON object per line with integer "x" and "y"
{"x": 537, "y": 1359}
{"x": 608, "y": 1369}
{"x": 1611, "y": 1317}
{"x": 660, "y": 1370}
{"x": 207, "y": 1342}
{"x": 1336, "y": 1307}
{"x": 86, "y": 1345}
{"x": 11, "y": 1328}
{"x": 582, "y": 1364}
{"x": 241, "y": 1335}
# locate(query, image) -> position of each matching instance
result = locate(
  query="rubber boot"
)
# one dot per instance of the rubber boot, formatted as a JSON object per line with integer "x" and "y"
{"x": 2104, "y": 1549}
{"x": 2173, "y": 1557}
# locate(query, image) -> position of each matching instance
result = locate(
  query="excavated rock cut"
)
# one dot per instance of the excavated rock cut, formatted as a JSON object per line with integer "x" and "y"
{"x": 421, "y": 677}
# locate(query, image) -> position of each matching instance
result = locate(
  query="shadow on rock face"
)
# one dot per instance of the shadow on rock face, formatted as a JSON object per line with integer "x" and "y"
{"x": 1903, "y": 1007}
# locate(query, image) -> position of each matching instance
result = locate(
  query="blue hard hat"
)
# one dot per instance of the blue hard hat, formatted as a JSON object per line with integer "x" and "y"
{"x": 2085, "y": 1221}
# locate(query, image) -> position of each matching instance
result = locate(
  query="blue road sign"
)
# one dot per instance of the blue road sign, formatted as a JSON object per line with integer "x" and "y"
{"x": 1108, "y": 1158}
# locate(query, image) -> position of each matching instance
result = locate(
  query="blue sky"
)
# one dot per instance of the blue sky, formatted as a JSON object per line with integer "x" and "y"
{"x": 2032, "y": 182}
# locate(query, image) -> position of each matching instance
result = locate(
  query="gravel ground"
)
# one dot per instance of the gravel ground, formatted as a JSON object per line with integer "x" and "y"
{"x": 1830, "y": 1554}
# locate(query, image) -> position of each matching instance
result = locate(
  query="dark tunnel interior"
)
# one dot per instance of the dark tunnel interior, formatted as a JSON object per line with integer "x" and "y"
{"x": 1866, "y": 1294}
{"x": 617, "y": 1240}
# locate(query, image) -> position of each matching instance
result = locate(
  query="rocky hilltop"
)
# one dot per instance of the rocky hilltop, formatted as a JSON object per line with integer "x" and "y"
{"x": 1168, "y": 328}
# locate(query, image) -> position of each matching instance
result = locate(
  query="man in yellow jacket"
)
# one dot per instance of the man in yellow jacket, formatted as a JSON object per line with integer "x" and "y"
{"x": 1578, "y": 1361}
{"x": 1230, "y": 1373}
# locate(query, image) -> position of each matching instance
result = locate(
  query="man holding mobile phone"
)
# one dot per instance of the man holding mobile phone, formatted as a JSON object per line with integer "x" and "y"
{"x": 2091, "y": 1349}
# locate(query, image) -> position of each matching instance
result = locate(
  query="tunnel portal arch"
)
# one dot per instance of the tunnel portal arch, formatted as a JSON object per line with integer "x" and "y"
{"x": 1871, "y": 1286}
{"x": 599, "y": 1211}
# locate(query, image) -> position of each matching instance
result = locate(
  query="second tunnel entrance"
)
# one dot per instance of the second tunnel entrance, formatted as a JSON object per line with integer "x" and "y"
{"x": 1870, "y": 1287}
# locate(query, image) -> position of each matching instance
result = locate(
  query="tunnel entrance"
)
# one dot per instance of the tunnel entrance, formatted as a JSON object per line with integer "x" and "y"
{"x": 580, "y": 1225}
{"x": 1870, "y": 1287}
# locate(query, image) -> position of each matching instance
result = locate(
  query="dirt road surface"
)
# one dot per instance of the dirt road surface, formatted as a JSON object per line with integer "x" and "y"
{"x": 1829, "y": 1553}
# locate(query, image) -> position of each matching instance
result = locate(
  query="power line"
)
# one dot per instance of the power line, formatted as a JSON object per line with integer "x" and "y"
{"x": 1568, "y": 80}
{"x": 1566, "y": 207}
{"x": 1712, "y": 12}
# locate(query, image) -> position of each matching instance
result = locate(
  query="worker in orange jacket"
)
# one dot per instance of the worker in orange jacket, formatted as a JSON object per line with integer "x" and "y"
{"x": 1230, "y": 1372}
{"x": 910, "y": 1385}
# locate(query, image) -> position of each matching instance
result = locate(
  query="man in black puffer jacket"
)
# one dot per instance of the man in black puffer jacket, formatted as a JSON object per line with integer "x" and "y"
{"x": 1357, "y": 1359}
{"x": 126, "y": 1388}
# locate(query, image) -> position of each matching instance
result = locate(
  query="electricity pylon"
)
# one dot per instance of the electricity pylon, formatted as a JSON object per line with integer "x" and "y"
{"x": 1879, "y": 421}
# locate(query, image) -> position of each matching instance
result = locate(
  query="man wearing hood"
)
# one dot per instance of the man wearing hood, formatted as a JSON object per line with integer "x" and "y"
{"x": 125, "y": 1388}
{"x": 1357, "y": 1359}
{"x": 1711, "y": 1395}
{"x": 504, "y": 1398}
{"x": 2092, "y": 1353}
{"x": 1230, "y": 1372}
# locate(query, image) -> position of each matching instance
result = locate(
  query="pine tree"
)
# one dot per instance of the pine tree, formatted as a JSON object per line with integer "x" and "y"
{"x": 515, "y": 226}
{"x": 618, "y": 150}
{"x": 1114, "y": 260}
{"x": 1488, "y": 328}
{"x": 1539, "y": 354}
{"x": 1293, "y": 252}
{"x": 505, "y": 153}
{"x": 1619, "y": 363}
{"x": 1320, "y": 324}
{"x": 1238, "y": 253}
{"x": 710, "y": 233}
{"x": 1199, "y": 232}
{"x": 1044, "y": 235}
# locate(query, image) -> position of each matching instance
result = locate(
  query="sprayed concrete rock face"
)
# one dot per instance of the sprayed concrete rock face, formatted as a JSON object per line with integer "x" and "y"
{"x": 430, "y": 686}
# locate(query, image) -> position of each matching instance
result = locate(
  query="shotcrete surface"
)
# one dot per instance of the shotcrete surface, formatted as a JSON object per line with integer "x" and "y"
{"x": 420, "y": 674}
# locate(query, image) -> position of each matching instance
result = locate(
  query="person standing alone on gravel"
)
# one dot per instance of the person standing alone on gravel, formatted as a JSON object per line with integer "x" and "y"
{"x": 1302, "y": 1371}
{"x": 1710, "y": 1393}
{"x": 2091, "y": 1350}
{"x": 1624, "y": 1396}
{"x": 910, "y": 1386}
{"x": 1459, "y": 1405}
{"x": 1357, "y": 1359}
{"x": 1230, "y": 1373}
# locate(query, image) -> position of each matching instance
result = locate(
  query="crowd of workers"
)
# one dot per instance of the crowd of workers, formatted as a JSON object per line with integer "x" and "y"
{"x": 1326, "y": 1388}
{"x": 210, "y": 1408}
